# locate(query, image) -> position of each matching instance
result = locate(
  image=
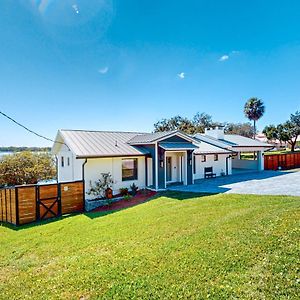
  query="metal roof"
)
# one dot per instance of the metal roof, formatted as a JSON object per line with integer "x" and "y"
{"x": 150, "y": 137}
{"x": 177, "y": 146}
{"x": 206, "y": 148}
{"x": 86, "y": 143}
{"x": 241, "y": 141}
{"x": 232, "y": 141}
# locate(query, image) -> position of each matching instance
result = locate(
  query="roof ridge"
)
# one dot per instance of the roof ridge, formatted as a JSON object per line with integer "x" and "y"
{"x": 107, "y": 131}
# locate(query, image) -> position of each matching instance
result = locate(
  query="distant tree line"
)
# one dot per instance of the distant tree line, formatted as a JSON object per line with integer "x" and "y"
{"x": 288, "y": 131}
{"x": 199, "y": 122}
{"x": 21, "y": 149}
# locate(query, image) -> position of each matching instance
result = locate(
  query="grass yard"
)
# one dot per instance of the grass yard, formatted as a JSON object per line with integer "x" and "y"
{"x": 176, "y": 246}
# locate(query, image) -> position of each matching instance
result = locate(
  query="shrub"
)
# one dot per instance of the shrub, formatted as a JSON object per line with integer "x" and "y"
{"x": 134, "y": 189}
{"x": 26, "y": 168}
{"x": 123, "y": 191}
{"x": 101, "y": 185}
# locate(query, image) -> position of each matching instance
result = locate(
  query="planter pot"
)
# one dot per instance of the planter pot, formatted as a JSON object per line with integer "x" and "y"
{"x": 108, "y": 193}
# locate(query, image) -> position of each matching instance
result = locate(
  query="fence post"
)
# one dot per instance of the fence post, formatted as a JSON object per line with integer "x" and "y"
{"x": 17, "y": 206}
{"x": 37, "y": 208}
{"x": 59, "y": 204}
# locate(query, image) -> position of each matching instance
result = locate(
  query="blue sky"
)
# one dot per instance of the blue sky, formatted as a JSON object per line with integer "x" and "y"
{"x": 123, "y": 65}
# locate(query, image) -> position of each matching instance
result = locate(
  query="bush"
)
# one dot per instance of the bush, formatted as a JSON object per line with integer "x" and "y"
{"x": 26, "y": 168}
{"x": 99, "y": 188}
{"x": 123, "y": 191}
{"x": 134, "y": 189}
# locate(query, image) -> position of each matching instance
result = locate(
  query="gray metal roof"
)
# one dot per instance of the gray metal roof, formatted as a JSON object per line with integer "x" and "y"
{"x": 231, "y": 141}
{"x": 178, "y": 146}
{"x": 150, "y": 137}
{"x": 241, "y": 141}
{"x": 206, "y": 148}
{"x": 86, "y": 143}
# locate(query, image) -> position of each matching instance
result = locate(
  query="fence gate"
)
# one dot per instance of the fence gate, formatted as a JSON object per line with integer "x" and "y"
{"x": 25, "y": 204}
{"x": 48, "y": 201}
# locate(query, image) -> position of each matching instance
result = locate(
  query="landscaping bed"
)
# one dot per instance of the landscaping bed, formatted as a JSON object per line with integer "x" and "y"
{"x": 121, "y": 203}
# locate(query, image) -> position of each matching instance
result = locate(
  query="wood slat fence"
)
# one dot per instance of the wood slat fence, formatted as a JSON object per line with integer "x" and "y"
{"x": 29, "y": 203}
{"x": 282, "y": 161}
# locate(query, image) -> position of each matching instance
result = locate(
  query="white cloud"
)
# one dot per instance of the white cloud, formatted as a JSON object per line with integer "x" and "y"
{"x": 224, "y": 57}
{"x": 181, "y": 75}
{"x": 103, "y": 70}
{"x": 75, "y": 7}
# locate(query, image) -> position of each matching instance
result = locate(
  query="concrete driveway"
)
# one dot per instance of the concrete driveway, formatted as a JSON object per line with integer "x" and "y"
{"x": 258, "y": 183}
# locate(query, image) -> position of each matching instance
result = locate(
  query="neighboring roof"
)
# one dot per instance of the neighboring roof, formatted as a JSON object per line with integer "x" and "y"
{"x": 85, "y": 143}
{"x": 177, "y": 146}
{"x": 147, "y": 138}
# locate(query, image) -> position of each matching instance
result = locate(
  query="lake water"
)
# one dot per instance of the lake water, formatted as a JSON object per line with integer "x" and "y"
{"x": 4, "y": 153}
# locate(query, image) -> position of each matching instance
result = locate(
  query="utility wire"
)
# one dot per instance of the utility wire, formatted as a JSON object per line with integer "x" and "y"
{"x": 29, "y": 130}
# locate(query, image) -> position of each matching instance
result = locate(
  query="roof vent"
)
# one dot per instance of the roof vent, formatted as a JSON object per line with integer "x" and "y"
{"x": 116, "y": 144}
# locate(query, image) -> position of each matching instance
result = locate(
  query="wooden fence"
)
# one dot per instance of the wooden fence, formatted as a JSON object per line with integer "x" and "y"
{"x": 29, "y": 203}
{"x": 282, "y": 161}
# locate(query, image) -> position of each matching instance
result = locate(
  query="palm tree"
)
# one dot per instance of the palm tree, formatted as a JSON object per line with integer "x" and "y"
{"x": 254, "y": 110}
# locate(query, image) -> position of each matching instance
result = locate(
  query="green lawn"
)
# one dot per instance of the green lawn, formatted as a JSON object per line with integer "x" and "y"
{"x": 176, "y": 246}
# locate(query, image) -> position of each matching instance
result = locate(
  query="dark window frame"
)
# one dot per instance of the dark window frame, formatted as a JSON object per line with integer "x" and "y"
{"x": 203, "y": 158}
{"x": 216, "y": 157}
{"x": 68, "y": 161}
{"x": 134, "y": 175}
{"x": 62, "y": 161}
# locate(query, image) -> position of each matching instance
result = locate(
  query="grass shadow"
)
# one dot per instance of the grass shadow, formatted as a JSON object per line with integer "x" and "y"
{"x": 179, "y": 195}
{"x": 37, "y": 223}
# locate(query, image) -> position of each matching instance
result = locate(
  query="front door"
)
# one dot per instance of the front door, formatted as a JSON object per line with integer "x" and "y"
{"x": 169, "y": 169}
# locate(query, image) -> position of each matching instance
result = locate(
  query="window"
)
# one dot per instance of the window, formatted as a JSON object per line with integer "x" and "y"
{"x": 68, "y": 160}
{"x": 216, "y": 158}
{"x": 203, "y": 158}
{"x": 62, "y": 161}
{"x": 129, "y": 169}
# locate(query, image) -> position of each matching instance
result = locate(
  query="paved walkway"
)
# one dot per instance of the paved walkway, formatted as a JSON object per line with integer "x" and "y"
{"x": 259, "y": 183}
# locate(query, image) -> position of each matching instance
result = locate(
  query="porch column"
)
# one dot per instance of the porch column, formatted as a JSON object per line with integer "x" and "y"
{"x": 260, "y": 161}
{"x": 189, "y": 167}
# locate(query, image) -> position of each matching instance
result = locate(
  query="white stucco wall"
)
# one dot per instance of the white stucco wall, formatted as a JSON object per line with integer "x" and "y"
{"x": 249, "y": 164}
{"x": 94, "y": 168}
{"x": 218, "y": 166}
{"x": 69, "y": 172}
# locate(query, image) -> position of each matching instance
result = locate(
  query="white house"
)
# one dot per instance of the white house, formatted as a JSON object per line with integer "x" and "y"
{"x": 152, "y": 160}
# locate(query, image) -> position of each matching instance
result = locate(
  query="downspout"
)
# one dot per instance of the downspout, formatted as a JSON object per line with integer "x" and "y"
{"x": 56, "y": 167}
{"x": 83, "y": 179}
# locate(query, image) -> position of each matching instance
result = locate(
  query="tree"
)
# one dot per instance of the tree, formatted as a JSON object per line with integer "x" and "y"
{"x": 196, "y": 125}
{"x": 26, "y": 168}
{"x": 271, "y": 133}
{"x": 254, "y": 110}
{"x": 290, "y": 130}
{"x": 202, "y": 121}
{"x": 244, "y": 129}
{"x": 174, "y": 123}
